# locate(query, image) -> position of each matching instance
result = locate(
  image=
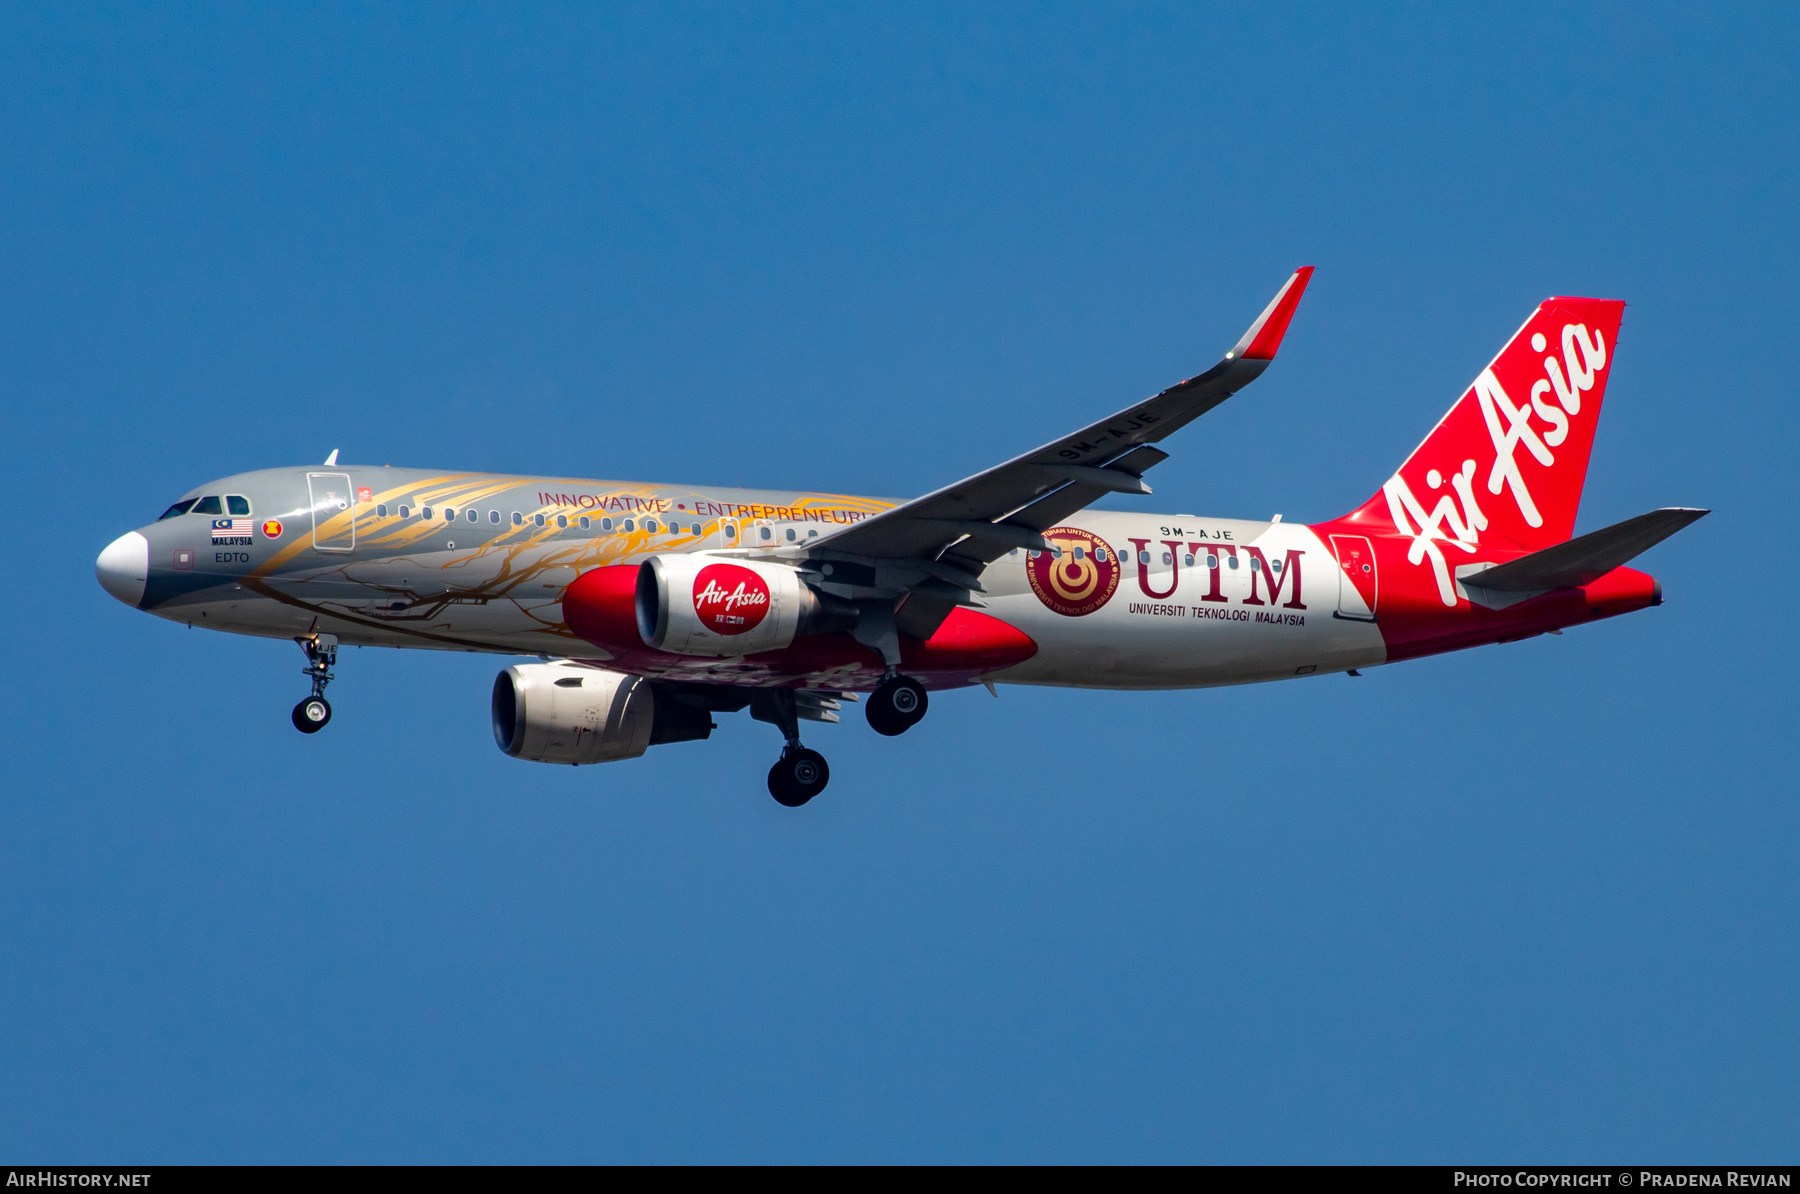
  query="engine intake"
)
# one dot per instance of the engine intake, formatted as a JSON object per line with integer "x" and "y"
{"x": 700, "y": 605}
{"x": 568, "y": 713}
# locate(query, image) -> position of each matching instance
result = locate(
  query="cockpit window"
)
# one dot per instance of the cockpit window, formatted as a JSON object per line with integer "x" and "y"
{"x": 208, "y": 505}
{"x": 178, "y": 509}
{"x": 237, "y": 505}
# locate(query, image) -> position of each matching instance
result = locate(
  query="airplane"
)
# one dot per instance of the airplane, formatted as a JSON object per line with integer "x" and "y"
{"x": 653, "y": 607}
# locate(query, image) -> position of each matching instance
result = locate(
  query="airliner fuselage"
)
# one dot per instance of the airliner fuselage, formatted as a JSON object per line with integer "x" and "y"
{"x": 654, "y": 607}
{"x": 398, "y": 557}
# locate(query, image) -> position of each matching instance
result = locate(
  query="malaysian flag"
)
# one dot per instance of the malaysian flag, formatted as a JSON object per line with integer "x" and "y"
{"x": 230, "y": 528}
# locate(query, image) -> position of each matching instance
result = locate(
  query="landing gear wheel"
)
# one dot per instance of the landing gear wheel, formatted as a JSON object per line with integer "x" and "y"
{"x": 311, "y": 715}
{"x": 797, "y": 776}
{"x": 897, "y": 705}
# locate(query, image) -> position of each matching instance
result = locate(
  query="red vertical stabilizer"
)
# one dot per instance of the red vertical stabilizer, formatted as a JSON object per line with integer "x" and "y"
{"x": 1502, "y": 472}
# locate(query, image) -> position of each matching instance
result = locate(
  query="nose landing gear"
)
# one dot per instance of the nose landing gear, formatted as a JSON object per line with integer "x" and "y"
{"x": 314, "y": 713}
{"x": 897, "y": 705}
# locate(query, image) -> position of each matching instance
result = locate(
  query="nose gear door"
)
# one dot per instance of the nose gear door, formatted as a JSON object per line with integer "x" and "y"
{"x": 333, "y": 511}
{"x": 1356, "y": 577}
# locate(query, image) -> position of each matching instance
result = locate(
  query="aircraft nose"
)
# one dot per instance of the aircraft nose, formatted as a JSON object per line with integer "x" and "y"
{"x": 124, "y": 567}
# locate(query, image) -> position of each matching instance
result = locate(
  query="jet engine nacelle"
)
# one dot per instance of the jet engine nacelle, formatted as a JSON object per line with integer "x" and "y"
{"x": 566, "y": 713}
{"x": 702, "y": 605}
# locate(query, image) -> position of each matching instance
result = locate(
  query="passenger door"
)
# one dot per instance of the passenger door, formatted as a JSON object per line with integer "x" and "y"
{"x": 333, "y": 511}
{"x": 1356, "y": 577}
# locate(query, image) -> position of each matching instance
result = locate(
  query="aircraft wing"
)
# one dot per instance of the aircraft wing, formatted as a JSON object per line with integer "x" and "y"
{"x": 954, "y": 532}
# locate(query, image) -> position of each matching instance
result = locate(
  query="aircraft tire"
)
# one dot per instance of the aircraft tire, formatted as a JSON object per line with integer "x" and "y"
{"x": 312, "y": 715}
{"x": 798, "y": 776}
{"x": 897, "y": 706}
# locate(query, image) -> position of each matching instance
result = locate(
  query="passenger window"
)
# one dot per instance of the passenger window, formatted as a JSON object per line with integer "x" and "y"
{"x": 208, "y": 505}
{"x": 584, "y": 522}
{"x": 518, "y": 519}
{"x": 630, "y": 524}
{"x": 178, "y": 509}
{"x": 381, "y": 510}
{"x": 790, "y": 534}
{"x": 474, "y": 515}
{"x": 731, "y": 532}
{"x": 695, "y": 529}
{"x": 562, "y": 522}
{"x": 1080, "y": 552}
{"x": 494, "y": 517}
{"x": 1167, "y": 559}
{"x": 237, "y": 505}
{"x": 449, "y": 513}
{"x": 425, "y": 513}
{"x": 606, "y": 524}
{"x": 406, "y": 512}
{"x": 650, "y": 525}
{"x": 767, "y": 533}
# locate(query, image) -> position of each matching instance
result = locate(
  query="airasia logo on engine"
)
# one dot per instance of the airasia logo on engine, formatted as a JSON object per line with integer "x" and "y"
{"x": 730, "y": 599}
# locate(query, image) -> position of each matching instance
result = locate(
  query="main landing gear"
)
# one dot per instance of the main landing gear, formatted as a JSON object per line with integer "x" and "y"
{"x": 897, "y": 705}
{"x": 799, "y": 774}
{"x": 898, "y": 702}
{"x": 314, "y": 713}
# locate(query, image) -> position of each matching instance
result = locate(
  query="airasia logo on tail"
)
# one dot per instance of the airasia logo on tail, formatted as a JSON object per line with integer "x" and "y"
{"x": 1511, "y": 455}
{"x": 730, "y": 599}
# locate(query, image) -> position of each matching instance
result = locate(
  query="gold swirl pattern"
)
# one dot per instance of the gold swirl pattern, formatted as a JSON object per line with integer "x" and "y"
{"x": 522, "y": 566}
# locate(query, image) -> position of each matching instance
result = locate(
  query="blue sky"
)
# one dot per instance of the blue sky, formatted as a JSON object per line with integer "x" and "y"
{"x": 1532, "y": 902}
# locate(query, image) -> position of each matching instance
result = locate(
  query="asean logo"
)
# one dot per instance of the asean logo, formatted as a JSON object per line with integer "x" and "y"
{"x": 271, "y": 528}
{"x": 1076, "y": 578}
{"x": 730, "y": 599}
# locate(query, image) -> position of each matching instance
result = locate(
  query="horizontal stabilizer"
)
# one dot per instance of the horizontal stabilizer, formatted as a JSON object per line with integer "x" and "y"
{"x": 1583, "y": 560}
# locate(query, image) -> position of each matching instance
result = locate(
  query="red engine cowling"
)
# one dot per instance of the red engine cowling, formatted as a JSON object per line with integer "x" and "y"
{"x": 702, "y": 605}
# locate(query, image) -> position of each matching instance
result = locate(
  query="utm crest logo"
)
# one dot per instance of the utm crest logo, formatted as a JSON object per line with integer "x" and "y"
{"x": 1078, "y": 577}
